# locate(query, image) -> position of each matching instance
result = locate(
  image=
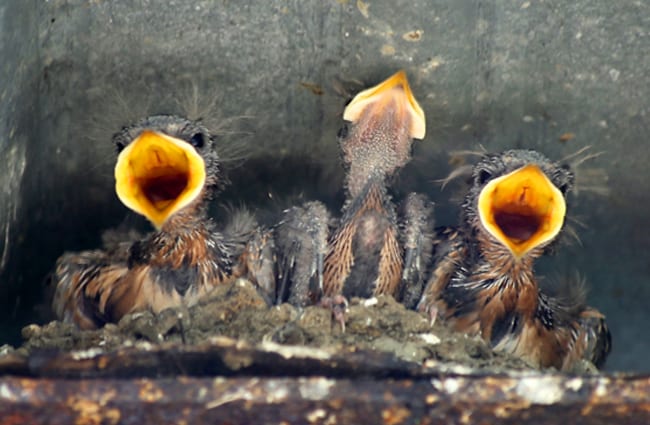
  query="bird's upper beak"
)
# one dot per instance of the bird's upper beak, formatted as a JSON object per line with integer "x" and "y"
{"x": 393, "y": 92}
{"x": 156, "y": 175}
{"x": 522, "y": 209}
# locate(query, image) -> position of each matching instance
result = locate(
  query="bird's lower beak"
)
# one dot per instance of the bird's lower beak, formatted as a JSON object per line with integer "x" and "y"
{"x": 522, "y": 210}
{"x": 156, "y": 175}
{"x": 394, "y": 92}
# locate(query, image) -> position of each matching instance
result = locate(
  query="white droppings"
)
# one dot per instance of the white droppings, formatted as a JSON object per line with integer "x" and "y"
{"x": 451, "y": 385}
{"x": 293, "y": 351}
{"x": 86, "y": 354}
{"x": 574, "y": 384}
{"x": 315, "y": 388}
{"x": 370, "y": 302}
{"x": 5, "y": 392}
{"x": 315, "y": 415}
{"x": 614, "y": 74}
{"x": 277, "y": 392}
{"x": 601, "y": 389}
{"x": 430, "y": 338}
{"x": 528, "y": 118}
{"x": 437, "y": 384}
{"x": 539, "y": 389}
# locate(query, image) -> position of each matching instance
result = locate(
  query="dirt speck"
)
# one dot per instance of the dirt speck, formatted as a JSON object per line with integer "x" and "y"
{"x": 415, "y": 35}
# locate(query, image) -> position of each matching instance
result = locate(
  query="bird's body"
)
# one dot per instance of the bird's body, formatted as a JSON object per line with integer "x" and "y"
{"x": 185, "y": 257}
{"x": 483, "y": 281}
{"x": 363, "y": 253}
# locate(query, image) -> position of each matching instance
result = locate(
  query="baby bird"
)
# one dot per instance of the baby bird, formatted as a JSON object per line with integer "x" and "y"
{"x": 369, "y": 251}
{"x": 483, "y": 281}
{"x": 167, "y": 170}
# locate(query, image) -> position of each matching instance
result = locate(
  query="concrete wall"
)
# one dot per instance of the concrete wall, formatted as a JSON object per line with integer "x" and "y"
{"x": 550, "y": 75}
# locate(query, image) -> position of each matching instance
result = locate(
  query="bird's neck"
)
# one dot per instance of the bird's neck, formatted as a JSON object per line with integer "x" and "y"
{"x": 188, "y": 238}
{"x": 496, "y": 265}
{"x": 360, "y": 178}
{"x": 371, "y": 195}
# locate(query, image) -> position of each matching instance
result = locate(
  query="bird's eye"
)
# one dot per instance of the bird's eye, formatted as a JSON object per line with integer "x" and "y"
{"x": 343, "y": 132}
{"x": 120, "y": 146}
{"x": 197, "y": 140}
{"x": 483, "y": 176}
{"x": 564, "y": 188}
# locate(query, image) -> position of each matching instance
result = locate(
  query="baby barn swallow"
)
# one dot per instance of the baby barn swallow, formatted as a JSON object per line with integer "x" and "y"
{"x": 364, "y": 254}
{"x": 483, "y": 280}
{"x": 167, "y": 170}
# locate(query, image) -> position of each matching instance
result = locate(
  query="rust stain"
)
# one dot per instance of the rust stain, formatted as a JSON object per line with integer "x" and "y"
{"x": 395, "y": 415}
{"x": 336, "y": 403}
{"x": 313, "y": 87}
{"x": 91, "y": 412}
{"x": 149, "y": 392}
{"x": 431, "y": 399}
{"x": 14, "y": 419}
{"x": 567, "y": 136}
{"x": 102, "y": 363}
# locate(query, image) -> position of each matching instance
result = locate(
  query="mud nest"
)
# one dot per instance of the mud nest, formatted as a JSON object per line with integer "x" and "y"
{"x": 238, "y": 311}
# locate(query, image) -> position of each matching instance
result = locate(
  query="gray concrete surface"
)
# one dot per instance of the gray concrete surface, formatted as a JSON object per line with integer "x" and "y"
{"x": 496, "y": 74}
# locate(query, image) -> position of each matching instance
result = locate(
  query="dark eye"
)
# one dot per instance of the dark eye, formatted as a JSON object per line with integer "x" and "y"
{"x": 564, "y": 188}
{"x": 343, "y": 132}
{"x": 483, "y": 176}
{"x": 120, "y": 146}
{"x": 197, "y": 140}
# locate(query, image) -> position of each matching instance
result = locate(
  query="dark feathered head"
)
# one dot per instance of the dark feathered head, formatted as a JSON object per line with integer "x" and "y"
{"x": 165, "y": 163}
{"x": 518, "y": 199}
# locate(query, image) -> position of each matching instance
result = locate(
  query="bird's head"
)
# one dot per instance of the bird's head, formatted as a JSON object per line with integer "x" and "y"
{"x": 165, "y": 164}
{"x": 518, "y": 199}
{"x": 383, "y": 121}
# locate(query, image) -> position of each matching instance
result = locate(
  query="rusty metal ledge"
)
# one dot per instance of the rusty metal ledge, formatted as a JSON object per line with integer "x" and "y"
{"x": 229, "y": 381}
{"x": 539, "y": 399}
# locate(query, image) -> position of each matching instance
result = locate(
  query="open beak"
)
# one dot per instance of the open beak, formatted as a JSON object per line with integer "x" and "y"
{"x": 522, "y": 209}
{"x": 393, "y": 92}
{"x": 156, "y": 175}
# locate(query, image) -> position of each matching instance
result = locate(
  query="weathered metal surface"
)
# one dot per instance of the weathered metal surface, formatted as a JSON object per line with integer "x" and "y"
{"x": 295, "y": 385}
{"x": 441, "y": 400}
{"x": 219, "y": 356}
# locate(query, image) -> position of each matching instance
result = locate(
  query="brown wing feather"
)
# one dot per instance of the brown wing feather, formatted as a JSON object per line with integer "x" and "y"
{"x": 82, "y": 282}
{"x": 390, "y": 265}
{"x": 338, "y": 261}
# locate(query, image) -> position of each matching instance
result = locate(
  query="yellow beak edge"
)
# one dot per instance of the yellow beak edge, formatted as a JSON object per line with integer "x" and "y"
{"x": 395, "y": 89}
{"x": 522, "y": 209}
{"x": 157, "y": 175}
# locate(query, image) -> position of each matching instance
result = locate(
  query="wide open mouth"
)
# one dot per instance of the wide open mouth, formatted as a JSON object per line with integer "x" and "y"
{"x": 522, "y": 209}
{"x": 157, "y": 175}
{"x": 394, "y": 88}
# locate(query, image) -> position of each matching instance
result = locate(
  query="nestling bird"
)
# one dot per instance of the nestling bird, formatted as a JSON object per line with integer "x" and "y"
{"x": 372, "y": 249}
{"x": 167, "y": 170}
{"x": 483, "y": 281}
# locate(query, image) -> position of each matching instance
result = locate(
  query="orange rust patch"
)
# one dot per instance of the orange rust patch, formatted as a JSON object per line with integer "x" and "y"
{"x": 149, "y": 392}
{"x": 395, "y": 415}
